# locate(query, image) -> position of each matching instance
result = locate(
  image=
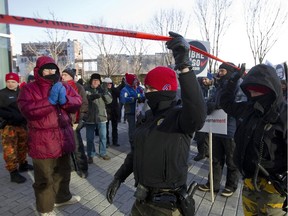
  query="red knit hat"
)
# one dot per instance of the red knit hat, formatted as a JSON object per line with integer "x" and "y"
{"x": 162, "y": 79}
{"x": 130, "y": 79}
{"x": 12, "y": 76}
{"x": 259, "y": 88}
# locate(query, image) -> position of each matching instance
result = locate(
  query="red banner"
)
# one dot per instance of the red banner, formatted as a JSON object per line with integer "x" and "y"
{"x": 92, "y": 29}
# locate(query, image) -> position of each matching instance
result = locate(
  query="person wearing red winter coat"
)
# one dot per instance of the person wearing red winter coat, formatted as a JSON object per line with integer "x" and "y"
{"x": 46, "y": 104}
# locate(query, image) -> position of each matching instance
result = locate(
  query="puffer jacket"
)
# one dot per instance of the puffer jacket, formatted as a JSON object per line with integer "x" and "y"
{"x": 251, "y": 121}
{"x": 50, "y": 131}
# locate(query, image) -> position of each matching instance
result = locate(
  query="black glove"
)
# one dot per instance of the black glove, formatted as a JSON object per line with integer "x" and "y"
{"x": 211, "y": 106}
{"x": 238, "y": 73}
{"x": 180, "y": 49}
{"x": 94, "y": 96}
{"x": 112, "y": 189}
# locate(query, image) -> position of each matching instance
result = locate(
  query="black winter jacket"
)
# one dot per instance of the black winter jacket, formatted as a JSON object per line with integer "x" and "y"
{"x": 251, "y": 120}
{"x": 9, "y": 110}
{"x": 162, "y": 142}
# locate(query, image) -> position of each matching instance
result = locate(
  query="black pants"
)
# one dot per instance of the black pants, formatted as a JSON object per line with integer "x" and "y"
{"x": 223, "y": 152}
{"x": 114, "y": 124}
{"x": 202, "y": 143}
{"x": 81, "y": 158}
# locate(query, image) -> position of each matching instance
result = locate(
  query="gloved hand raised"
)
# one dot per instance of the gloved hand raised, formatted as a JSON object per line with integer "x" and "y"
{"x": 62, "y": 96}
{"x": 54, "y": 93}
{"x": 112, "y": 189}
{"x": 238, "y": 73}
{"x": 180, "y": 49}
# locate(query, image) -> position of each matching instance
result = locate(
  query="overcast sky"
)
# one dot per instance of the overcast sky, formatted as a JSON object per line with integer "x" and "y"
{"x": 130, "y": 12}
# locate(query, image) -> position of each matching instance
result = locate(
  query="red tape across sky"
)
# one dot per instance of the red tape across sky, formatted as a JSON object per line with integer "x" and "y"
{"x": 17, "y": 20}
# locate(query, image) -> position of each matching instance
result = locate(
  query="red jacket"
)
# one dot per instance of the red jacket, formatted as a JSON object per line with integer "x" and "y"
{"x": 50, "y": 135}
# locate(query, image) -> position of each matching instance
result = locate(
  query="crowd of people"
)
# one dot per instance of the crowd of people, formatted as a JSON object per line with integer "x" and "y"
{"x": 44, "y": 117}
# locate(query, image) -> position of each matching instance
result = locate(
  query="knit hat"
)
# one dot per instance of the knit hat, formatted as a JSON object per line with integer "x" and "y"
{"x": 162, "y": 79}
{"x": 229, "y": 68}
{"x": 259, "y": 88}
{"x": 107, "y": 80}
{"x": 70, "y": 71}
{"x": 12, "y": 76}
{"x": 130, "y": 79}
{"x": 30, "y": 78}
{"x": 95, "y": 76}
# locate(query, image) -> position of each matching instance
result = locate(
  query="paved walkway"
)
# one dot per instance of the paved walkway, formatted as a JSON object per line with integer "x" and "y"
{"x": 18, "y": 199}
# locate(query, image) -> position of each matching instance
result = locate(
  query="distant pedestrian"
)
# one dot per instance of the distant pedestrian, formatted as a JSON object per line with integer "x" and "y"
{"x": 223, "y": 148}
{"x": 113, "y": 110}
{"x": 14, "y": 133}
{"x": 98, "y": 97}
{"x": 130, "y": 95}
{"x": 46, "y": 104}
{"x": 78, "y": 119}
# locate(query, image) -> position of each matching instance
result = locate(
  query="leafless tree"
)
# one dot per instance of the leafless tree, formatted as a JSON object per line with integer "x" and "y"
{"x": 169, "y": 20}
{"x": 264, "y": 21}
{"x": 54, "y": 47}
{"x": 213, "y": 21}
{"x": 108, "y": 51}
{"x": 136, "y": 49}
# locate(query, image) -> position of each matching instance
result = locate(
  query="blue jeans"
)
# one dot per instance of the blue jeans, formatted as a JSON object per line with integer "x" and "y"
{"x": 90, "y": 131}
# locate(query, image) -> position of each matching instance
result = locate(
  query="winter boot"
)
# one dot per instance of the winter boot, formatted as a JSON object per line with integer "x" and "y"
{"x": 16, "y": 177}
{"x": 25, "y": 167}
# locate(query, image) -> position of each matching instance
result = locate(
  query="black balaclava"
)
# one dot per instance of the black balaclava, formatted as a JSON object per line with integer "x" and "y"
{"x": 159, "y": 100}
{"x": 53, "y": 77}
{"x": 263, "y": 103}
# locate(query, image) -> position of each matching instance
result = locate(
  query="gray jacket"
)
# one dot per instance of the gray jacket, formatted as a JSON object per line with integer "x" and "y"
{"x": 97, "y": 100}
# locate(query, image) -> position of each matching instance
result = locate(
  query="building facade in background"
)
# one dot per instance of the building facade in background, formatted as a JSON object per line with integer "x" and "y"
{"x": 5, "y": 46}
{"x": 66, "y": 54}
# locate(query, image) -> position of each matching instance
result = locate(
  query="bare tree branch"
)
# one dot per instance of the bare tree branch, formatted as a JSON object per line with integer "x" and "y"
{"x": 169, "y": 20}
{"x": 213, "y": 21}
{"x": 264, "y": 20}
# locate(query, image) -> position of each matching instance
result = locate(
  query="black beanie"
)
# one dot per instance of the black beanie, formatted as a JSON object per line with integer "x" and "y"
{"x": 95, "y": 76}
{"x": 229, "y": 68}
{"x": 70, "y": 71}
{"x": 30, "y": 78}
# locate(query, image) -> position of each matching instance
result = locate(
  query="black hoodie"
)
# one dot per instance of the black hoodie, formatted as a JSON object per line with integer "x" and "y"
{"x": 252, "y": 118}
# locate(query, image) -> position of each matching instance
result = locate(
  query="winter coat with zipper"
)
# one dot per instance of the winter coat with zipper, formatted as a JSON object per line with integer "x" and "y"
{"x": 162, "y": 142}
{"x": 251, "y": 120}
{"x": 50, "y": 134}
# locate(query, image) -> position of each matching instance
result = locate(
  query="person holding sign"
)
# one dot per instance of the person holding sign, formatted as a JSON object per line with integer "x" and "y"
{"x": 261, "y": 139}
{"x": 159, "y": 159}
{"x": 223, "y": 145}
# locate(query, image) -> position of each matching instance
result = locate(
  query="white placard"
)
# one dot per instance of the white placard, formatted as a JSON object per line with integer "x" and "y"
{"x": 216, "y": 122}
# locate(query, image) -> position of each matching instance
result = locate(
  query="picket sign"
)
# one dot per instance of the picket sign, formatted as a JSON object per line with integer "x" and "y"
{"x": 17, "y": 20}
{"x": 216, "y": 122}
